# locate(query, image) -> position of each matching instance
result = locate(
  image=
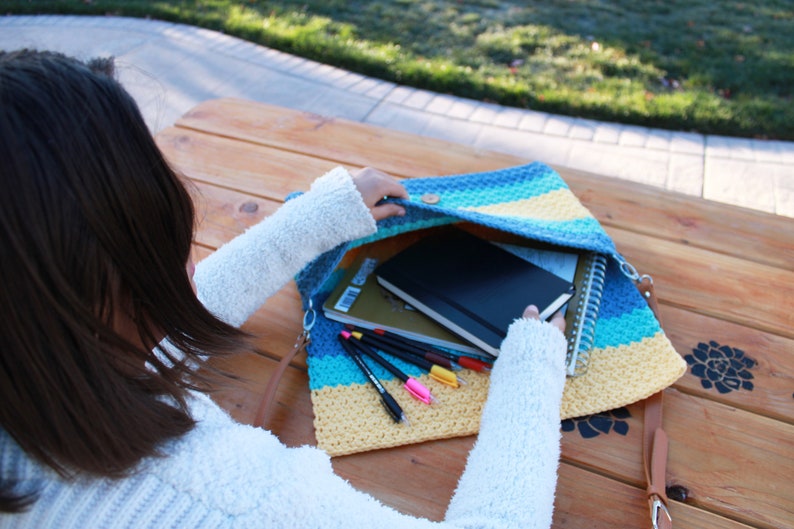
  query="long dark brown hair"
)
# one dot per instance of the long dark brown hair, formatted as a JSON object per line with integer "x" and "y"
{"x": 96, "y": 228}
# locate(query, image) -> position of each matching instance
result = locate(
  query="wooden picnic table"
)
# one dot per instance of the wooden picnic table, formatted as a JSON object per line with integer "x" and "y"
{"x": 724, "y": 277}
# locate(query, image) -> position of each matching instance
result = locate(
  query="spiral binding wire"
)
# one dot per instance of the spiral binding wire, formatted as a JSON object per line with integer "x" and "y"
{"x": 587, "y": 309}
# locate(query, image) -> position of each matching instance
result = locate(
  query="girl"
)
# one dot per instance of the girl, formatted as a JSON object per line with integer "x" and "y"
{"x": 103, "y": 422}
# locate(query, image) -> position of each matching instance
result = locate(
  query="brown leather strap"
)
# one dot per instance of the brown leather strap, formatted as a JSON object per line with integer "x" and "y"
{"x": 654, "y": 439}
{"x": 263, "y": 412}
{"x": 654, "y": 450}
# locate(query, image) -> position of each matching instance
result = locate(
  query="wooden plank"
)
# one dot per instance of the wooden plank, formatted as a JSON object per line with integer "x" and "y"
{"x": 343, "y": 141}
{"x": 732, "y": 462}
{"x": 585, "y": 499}
{"x": 222, "y": 214}
{"x": 770, "y": 356}
{"x": 690, "y": 221}
{"x": 254, "y": 169}
{"x": 713, "y": 284}
{"x": 764, "y": 238}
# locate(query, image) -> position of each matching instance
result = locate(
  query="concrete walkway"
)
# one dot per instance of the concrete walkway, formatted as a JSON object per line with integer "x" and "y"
{"x": 170, "y": 67}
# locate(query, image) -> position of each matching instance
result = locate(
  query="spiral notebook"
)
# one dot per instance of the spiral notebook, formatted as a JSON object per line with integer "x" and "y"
{"x": 585, "y": 270}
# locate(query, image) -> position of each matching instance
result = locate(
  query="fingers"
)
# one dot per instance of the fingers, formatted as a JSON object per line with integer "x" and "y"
{"x": 531, "y": 312}
{"x": 377, "y": 182}
{"x": 374, "y": 186}
{"x": 384, "y": 211}
{"x": 392, "y": 188}
{"x": 558, "y": 320}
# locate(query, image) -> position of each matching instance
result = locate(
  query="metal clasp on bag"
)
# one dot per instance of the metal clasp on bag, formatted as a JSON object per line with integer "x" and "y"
{"x": 309, "y": 319}
{"x": 631, "y": 272}
{"x": 658, "y": 505}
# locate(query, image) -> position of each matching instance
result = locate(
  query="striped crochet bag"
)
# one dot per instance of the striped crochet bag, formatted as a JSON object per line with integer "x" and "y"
{"x": 631, "y": 357}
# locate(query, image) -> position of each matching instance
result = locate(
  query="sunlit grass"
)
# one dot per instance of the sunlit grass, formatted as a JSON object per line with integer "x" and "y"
{"x": 711, "y": 67}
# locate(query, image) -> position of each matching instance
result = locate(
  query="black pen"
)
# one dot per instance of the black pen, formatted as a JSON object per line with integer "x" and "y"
{"x": 475, "y": 364}
{"x": 424, "y": 352}
{"x": 436, "y": 372}
{"x": 459, "y": 360}
{"x": 415, "y": 388}
{"x": 388, "y": 401}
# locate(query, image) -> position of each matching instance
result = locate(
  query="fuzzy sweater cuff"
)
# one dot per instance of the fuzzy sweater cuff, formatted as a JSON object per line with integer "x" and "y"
{"x": 236, "y": 280}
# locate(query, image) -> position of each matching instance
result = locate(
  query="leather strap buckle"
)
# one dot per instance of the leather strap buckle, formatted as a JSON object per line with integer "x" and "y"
{"x": 657, "y": 506}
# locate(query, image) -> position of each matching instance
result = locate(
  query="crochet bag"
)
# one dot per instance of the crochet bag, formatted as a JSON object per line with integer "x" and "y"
{"x": 631, "y": 358}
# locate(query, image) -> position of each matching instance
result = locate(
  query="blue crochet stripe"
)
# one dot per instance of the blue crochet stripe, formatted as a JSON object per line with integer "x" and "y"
{"x": 329, "y": 365}
{"x": 457, "y": 192}
{"x": 620, "y": 295}
{"x": 333, "y": 371}
{"x": 626, "y": 329}
{"x": 532, "y": 172}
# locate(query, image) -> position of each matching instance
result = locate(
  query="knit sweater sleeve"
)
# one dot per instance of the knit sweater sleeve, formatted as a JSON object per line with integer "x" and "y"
{"x": 235, "y": 280}
{"x": 511, "y": 472}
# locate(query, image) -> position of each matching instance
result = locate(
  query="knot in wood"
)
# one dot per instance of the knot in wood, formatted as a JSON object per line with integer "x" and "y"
{"x": 677, "y": 493}
{"x": 249, "y": 207}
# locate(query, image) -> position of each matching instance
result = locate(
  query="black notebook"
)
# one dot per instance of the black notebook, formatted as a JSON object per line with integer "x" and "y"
{"x": 471, "y": 286}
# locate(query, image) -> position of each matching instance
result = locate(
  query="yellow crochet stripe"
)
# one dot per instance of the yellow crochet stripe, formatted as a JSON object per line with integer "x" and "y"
{"x": 618, "y": 376}
{"x": 351, "y": 419}
{"x": 559, "y": 205}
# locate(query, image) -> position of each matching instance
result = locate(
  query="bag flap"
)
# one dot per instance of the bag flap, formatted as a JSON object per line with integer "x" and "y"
{"x": 531, "y": 201}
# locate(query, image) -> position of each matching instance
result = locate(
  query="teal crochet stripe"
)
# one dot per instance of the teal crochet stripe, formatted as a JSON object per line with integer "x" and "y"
{"x": 497, "y": 193}
{"x": 628, "y": 328}
{"x": 333, "y": 371}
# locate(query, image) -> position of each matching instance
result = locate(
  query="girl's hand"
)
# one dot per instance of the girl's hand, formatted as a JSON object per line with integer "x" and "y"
{"x": 558, "y": 320}
{"x": 374, "y": 186}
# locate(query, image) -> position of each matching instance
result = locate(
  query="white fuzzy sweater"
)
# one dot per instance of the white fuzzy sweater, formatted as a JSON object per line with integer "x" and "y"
{"x": 227, "y": 475}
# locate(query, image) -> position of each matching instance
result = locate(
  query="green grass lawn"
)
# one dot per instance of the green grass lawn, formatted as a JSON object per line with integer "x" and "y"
{"x": 710, "y": 66}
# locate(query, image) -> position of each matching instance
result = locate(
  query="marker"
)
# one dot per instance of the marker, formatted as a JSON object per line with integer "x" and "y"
{"x": 468, "y": 362}
{"x": 424, "y": 352}
{"x": 436, "y": 372}
{"x": 417, "y": 390}
{"x": 392, "y": 408}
